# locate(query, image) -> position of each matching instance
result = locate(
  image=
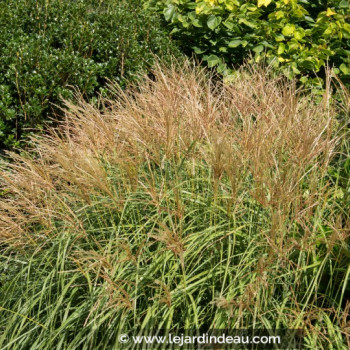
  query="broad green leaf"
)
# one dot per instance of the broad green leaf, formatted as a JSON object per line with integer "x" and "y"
{"x": 228, "y": 24}
{"x": 344, "y": 4}
{"x": 293, "y": 45}
{"x": 181, "y": 18}
{"x": 281, "y": 48}
{"x": 264, "y": 3}
{"x": 267, "y": 44}
{"x": 174, "y": 31}
{"x": 252, "y": 8}
{"x": 279, "y": 37}
{"x": 299, "y": 34}
{"x": 309, "y": 19}
{"x": 295, "y": 70}
{"x": 213, "y": 60}
{"x": 345, "y": 69}
{"x": 258, "y": 49}
{"x": 197, "y": 23}
{"x": 346, "y": 27}
{"x": 192, "y": 15}
{"x": 221, "y": 67}
{"x": 309, "y": 64}
{"x": 234, "y": 43}
{"x": 247, "y": 23}
{"x": 169, "y": 12}
{"x": 329, "y": 30}
{"x": 280, "y": 14}
{"x": 330, "y": 12}
{"x": 288, "y": 29}
{"x": 213, "y": 21}
{"x": 198, "y": 50}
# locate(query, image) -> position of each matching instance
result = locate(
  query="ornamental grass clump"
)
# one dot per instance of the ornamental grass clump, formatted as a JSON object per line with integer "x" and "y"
{"x": 179, "y": 203}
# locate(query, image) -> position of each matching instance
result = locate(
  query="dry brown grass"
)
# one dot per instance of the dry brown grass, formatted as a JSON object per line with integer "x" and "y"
{"x": 258, "y": 126}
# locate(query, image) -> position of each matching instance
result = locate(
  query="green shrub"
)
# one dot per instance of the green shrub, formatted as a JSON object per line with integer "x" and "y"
{"x": 297, "y": 36}
{"x": 47, "y": 47}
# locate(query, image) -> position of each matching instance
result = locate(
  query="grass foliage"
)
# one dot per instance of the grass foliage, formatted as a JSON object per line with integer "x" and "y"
{"x": 181, "y": 203}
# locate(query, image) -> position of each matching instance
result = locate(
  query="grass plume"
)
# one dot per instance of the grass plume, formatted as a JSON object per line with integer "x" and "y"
{"x": 179, "y": 203}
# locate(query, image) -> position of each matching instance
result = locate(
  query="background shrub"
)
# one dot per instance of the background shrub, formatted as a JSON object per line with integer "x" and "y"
{"x": 47, "y": 47}
{"x": 299, "y": 36}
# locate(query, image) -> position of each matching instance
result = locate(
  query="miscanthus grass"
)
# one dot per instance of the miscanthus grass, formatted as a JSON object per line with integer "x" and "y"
{"x": 181, "y": 203}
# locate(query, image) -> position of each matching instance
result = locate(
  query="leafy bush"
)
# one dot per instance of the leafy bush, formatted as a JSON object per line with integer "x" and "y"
{"x": 49, "y": 47}
{"x": 182, "y": 205}
{"x": 298, "y": 36}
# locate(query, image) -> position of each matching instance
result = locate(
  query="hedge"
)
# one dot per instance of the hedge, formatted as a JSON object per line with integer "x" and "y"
{"x": 49, "y": 48}
{"x": 299, "y": 37}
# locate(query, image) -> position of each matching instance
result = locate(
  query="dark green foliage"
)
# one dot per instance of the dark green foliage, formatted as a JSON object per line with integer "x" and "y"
{"x": 49, "y": 47}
